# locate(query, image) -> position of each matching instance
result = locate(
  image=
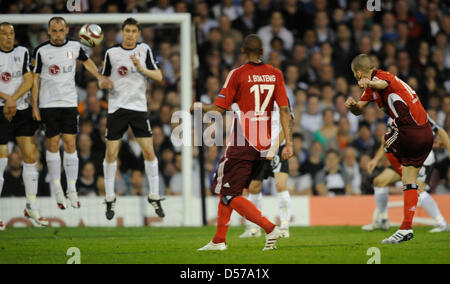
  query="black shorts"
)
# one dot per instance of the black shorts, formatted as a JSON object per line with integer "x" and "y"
{"x": 22, "y": 125}
{"x": 118, "y": 122}
{"x": 58, "y": 121}
{"x": 267, "y": 168}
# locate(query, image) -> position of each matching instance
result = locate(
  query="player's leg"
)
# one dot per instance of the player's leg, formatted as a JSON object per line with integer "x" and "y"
{"x": 140, "y": 124}
{"x": 410, "y": 199}
{"x": 381, "y": 194}
{"x": 116, "y": 126}
{"x": 223, "y": 219}
{"x": 428, "y": 203}
{"x": 70, "y": 163}
{"x": 284, "y": 202}
{"x": 255, "y": 196}
{"x": 3, "y": 164}
{"x": 30, "y": 177}
{"x": 53, "y": 159}
{"x": 248, "y": 210}
{"x": 109, "y": 171}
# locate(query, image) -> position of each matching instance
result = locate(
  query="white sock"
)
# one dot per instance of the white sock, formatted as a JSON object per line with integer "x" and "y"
{"x": 54, "y": 171}
{"x": 3, "y": 164}
{"x": 257, "y": 200}
{"x": 152, "y": 172}
{"x": 71, "y": 167}
{"x": 431, "y": 207}
{"x": 381, "y": 198}
{"x": 30, "y": 179}
{"x": 109, "y": 170}
{"x": 284, "y": 204}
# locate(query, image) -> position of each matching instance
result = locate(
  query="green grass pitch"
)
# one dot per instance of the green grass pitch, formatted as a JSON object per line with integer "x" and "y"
{"x": 179, "y": 245}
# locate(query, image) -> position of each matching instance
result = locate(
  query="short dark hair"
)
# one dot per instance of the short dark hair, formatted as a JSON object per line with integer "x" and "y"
{"x": 57, "y": 18}
{"x": 298, "y": 135}
{"x": 5, "y": 24}
{"x": 253, "y": 44}
{"x": 131, "y": 21}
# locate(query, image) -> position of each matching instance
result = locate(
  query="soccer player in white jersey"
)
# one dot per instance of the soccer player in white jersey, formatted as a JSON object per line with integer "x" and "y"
{"x": 129, "y": 65}
{"x": 393, "y": 174}
{"x": 278, "y": 169}
{"x": 15, "y": 116}
{"x": 55, "y": 103}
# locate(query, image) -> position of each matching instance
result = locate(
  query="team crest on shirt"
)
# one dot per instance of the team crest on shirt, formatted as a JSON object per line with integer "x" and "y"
{"x": 122, "y": 71}
{"x": 6, "y": 77}
{"x": 54, "y": 69}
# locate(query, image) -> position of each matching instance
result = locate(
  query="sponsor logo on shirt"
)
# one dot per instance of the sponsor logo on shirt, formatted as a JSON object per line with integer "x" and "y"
{"x": 54, "y": 69}
{"x": 6, "y": 77}
{"x": 123, "y": 71}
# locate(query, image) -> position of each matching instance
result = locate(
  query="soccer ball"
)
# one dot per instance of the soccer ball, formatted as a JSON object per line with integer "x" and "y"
{"x": 91, "y": 35}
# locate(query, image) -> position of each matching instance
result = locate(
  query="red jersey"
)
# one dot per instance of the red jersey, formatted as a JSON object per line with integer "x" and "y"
{"x": 252, "y": 89}
{"x": 398, "y": 99}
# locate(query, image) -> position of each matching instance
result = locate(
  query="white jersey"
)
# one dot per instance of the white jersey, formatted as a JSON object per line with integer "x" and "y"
{"x": 276, "y": 124}
{"x": 56, "y": 66}
{"x": 13, "y": 65}
{"x": 130, "y": 85}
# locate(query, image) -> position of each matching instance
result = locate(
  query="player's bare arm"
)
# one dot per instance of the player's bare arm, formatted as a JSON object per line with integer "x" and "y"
{"x": 206, "y": 107}
{"x": 103, "y": 82}
{"x": 355, "y": 107}
{"x": 35, "y": 96}
{"x": 155, "y": 75}
{"x": 286, "y": 124}
{"x": 374, "y": 84}
{"x": 10, "y": 104}
{"x": 378, "y": 156}
{"x": 445, "y": 139}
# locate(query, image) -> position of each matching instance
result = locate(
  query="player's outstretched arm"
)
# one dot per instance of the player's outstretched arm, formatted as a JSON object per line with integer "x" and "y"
{"x": 206, "y": 108}
{"x": 155, "y": 75}
{"x": 286, "y": 124}
{"x": 103, "y": 82}
{"x": 373, "y": 84}
{"x": 35, "y": 96}
{"x": 10, "y": 104}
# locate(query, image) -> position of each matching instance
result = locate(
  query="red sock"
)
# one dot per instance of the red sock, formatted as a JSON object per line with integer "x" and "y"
{"x": 223, "y": 218}
{"x": 410, "y": 198}
{"x": 248, "y": 210}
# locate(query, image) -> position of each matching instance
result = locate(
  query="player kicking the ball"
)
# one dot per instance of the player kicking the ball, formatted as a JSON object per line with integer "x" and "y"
{"x": 391, "y": 175}
{"x": 411, "y": 139}
{"x": 55, "y": 103}
{"x": 15, "y": 116}
{"x": 128, "y": 65}
{"x": 252, "y": 89}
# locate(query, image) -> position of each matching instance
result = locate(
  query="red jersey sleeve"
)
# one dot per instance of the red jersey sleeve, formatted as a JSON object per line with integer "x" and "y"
{"x": 368, "y": 95}
{"x": 280, "y": 91}
{"x": 226, "y": 96}
{"x": 385, "y": 76}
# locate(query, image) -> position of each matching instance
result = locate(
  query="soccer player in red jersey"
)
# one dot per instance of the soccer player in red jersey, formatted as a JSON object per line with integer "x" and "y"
{"x": 252, "y": 89}
{"x": 411, "y": 139}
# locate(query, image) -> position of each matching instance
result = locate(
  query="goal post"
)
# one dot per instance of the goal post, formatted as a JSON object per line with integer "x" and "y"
{"x": 184, "y": 20}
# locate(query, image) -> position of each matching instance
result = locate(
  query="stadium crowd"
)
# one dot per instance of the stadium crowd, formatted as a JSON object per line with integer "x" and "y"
{"x": 311, "y": 41}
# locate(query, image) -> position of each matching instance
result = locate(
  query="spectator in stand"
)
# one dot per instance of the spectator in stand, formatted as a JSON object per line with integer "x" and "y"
{"x": 13, "y": 184}
{"x": 332, "y": 180}
{"x": 312, "y": 119}
{"x": 87, "y": 182}
{"x": 364, "y": 142}
{"x": 246, "y": 23}
{"x": 329, "y": 130}
{"x": 351, "y": 169}
{"x": 276, "y": 28}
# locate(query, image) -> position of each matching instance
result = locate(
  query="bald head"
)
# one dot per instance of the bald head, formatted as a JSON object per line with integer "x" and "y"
{"x": 252, "y": 45}
{"x": 362, "y": 63}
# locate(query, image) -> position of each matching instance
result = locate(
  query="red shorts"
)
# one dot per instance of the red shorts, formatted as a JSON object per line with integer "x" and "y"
{"x": 411, "y": 144}
{"x": 233, "y": 175}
